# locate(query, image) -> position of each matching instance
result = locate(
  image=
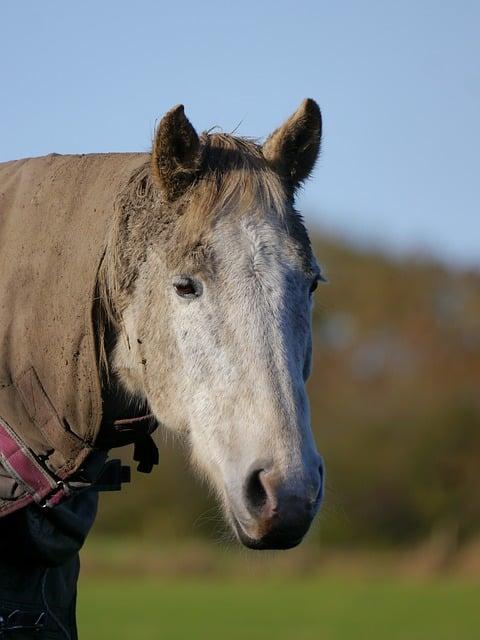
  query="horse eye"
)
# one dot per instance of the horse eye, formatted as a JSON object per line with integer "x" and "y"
{"x": 313, "y": 286}
{"x": 187, "y": 288}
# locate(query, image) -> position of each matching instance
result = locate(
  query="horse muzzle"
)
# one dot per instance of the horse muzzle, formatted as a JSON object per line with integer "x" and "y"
{"x": 277, "y": 513}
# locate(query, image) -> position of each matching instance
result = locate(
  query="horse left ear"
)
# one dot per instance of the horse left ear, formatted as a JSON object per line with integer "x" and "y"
{"x": 175, "y": 153}
{"x": 293, "y": 149}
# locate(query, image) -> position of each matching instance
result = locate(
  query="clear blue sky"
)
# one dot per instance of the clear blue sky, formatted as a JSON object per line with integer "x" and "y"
{"x": 398, "y": 83}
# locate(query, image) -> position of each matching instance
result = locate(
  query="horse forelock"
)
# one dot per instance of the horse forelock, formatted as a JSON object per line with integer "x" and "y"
{"x": 234, "y": 180}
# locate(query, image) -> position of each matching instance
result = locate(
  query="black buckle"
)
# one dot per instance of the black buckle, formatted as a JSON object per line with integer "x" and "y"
{"x": 22, "y": 621}
{"x": 145, "y": 452}
{"x": 112, "y": 476}
{"x": 137, "y": 431}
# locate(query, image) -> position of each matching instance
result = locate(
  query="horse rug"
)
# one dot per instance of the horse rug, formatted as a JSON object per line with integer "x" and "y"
{"x": 55, "y": 216}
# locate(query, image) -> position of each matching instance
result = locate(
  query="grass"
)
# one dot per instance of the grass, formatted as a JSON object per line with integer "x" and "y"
{"x": 313, "y": 609}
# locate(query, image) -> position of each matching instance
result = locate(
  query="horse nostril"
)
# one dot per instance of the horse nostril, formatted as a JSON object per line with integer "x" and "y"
{"x": 255, "y": 493}
{"x": 321, "y": 472}
{"x": 321, "y": 484}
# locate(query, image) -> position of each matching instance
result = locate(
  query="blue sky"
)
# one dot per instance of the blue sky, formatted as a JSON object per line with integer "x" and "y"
{"x": 398, "y": 84}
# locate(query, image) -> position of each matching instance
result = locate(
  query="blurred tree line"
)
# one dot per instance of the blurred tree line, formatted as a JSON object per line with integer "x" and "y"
{"x": 395, "y": 395}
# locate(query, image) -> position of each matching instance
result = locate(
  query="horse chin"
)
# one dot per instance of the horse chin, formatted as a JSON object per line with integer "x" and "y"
{"x": 268, "y": 542}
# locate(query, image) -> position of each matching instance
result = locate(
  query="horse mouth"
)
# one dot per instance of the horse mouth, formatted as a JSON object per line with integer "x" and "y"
{"x": 275, "y": 540}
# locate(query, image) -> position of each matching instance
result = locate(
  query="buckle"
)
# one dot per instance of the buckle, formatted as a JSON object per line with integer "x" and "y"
{"x": 112, "y": 476}
{"x": 55, "y": 496}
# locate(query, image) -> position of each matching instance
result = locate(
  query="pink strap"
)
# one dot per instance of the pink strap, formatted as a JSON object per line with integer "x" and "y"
{"x": 20, "y": 462}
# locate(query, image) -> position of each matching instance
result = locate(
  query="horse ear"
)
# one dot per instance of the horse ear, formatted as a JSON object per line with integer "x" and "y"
{"x": 293, "y": 148}
{"x": 175, "y": 153}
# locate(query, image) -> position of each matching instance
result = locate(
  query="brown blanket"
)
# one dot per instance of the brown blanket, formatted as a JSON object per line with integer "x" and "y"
{"x": 55, "y": 213}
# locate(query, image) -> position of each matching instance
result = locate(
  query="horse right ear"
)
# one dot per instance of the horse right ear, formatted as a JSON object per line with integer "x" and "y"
{"x": 293, "y": 148}
{"x": 175, "y": 153}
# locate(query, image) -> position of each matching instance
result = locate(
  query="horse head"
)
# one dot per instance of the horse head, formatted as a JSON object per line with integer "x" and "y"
{"x": 212, "y": 278}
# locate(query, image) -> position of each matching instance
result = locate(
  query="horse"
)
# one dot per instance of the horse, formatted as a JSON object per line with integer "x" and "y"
{"x": 202, "y": 313}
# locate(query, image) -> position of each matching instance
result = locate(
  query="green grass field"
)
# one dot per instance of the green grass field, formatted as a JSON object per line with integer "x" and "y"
{"x": 325, "y": 609}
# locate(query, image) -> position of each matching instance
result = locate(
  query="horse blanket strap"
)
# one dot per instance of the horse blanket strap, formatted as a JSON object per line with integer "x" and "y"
{"x": 40, "y": 486}
{"x": 137, "y": 431}
{"x": 24, "y": 467}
